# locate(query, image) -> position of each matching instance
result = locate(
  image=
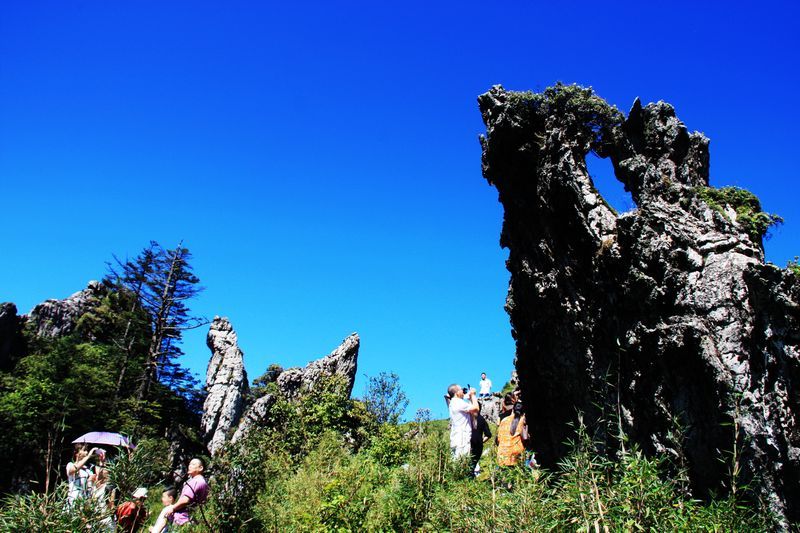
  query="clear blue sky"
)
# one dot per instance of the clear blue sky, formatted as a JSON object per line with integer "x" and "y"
{"x": 321, "y": 159}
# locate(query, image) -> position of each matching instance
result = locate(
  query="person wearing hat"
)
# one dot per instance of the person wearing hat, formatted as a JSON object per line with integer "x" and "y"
{"x": 132, "y": 515}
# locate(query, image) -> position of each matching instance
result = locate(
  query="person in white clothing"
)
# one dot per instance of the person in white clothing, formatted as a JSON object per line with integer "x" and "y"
{"x": 78, "y": 474}
{"x": 461, "y": 410}
{"x": 486, "y": 386}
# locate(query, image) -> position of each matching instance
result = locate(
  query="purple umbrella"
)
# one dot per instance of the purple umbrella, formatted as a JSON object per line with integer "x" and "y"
{"x": 104, "y": 437}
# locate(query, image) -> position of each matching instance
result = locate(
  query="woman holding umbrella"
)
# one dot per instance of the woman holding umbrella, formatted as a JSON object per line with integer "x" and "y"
{"x": 78, "y": 473}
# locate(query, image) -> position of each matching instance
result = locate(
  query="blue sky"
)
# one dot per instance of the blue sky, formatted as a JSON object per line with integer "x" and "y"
{"x": 321, "y": 161}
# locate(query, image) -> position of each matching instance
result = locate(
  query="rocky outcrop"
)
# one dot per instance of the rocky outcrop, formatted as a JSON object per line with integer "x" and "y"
{"x": 56, "y": 318}
{"x": 342, "y": 361}
{"x": 11, "y": 340}
{"x": 255, "y": 415}
{"x": 226, "y": 385}
{"x": 490, "y": 408}
{"x": 664, "y": 320}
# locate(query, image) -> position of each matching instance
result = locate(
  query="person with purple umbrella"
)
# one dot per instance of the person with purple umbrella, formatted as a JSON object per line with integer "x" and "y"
{"x": 78, "y": 474}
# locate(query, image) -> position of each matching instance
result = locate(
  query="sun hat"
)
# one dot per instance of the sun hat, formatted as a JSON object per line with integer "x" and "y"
{"x": 141, "y": 492}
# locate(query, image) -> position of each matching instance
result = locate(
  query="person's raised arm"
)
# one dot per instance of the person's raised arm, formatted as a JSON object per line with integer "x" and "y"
{"x": 474, "y": 407}
{"x": 77, "y": 465}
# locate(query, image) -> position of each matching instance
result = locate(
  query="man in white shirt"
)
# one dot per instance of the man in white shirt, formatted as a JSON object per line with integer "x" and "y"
{"x": 461, "y": 411}
{"x": 486, "y": 386}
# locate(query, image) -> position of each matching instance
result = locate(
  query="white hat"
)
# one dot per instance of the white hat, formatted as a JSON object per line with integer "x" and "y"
{"x": 141, "y": 492}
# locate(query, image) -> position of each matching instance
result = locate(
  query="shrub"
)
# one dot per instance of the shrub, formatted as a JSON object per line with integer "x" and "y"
{"x": 749, "y": 215}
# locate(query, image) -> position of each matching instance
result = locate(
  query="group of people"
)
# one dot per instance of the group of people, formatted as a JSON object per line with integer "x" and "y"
{"x": 90, "y": 480}
{"x": 469, "y": 430}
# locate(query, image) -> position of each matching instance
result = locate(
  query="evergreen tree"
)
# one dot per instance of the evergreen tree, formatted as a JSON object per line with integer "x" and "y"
{"x": 162, "y": 281}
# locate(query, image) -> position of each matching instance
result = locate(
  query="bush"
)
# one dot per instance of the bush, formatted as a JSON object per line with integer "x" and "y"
{"x": 749, "y": 216}
{"x": 44, "y": 513}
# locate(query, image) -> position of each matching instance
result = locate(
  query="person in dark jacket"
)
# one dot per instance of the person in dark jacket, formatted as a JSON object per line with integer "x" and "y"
{"x": 480, "y": 434}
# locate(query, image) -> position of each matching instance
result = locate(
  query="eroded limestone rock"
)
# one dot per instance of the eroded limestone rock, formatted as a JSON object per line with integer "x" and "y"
{"x": 56, "y": 318}
{"x": 664, "y": 318}
{"x": 342, "y": 361}
{"x": 226, "y": 383}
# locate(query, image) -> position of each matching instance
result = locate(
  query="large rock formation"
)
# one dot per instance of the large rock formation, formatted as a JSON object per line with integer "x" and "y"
{"x": 226, "y": 384}
{"x": 56, "y": 318}
{"x": 226, "y": 416}
{"x": 664, "y": 319}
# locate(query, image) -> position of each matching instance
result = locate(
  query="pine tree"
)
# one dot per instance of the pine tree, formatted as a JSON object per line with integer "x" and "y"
{"x": 163, "y": 282}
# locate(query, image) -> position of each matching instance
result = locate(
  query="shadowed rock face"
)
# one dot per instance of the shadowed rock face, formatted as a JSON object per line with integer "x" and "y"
{"x": 664, "y": 319}
{"x": 11, "y": 340}
{"x": 226, "y": 383}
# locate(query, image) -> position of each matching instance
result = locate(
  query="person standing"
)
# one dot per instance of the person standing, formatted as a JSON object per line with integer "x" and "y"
{"x": 461, "y": 411}
{"x": 79, "y": 474}
{"x": 480, "y": 434}
{"x": 193, "y": 494}
{"x": 486, "y": 386}
{"x": 511, "y": 436}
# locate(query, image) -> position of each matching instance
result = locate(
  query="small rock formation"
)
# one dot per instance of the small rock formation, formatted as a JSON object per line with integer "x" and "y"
{"x": 226, "y": 383}
{"x": 664, "y": 319}
{"x": 294, "y": 381}
{"x": 490, "y": 408}
{"x": 56, "y": 318}
{"x": 343, "y": 361}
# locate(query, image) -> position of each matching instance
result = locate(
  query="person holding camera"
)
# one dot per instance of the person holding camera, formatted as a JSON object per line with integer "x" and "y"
{"x": 79, "y": 474}
{"x": 461, "y": 411}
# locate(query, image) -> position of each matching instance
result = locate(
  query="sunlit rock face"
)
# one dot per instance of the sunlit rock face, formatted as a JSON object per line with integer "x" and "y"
{"x": 226, "y": 384}
{"x": 663, "y": 322}
{"x": 56, "y": 318}
{"x": 229, "y": 413}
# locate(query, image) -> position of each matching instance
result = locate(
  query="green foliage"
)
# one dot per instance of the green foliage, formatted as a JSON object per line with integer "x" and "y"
{"x": 793, "y": 266}
{"x": 584, "y": 115}
{"x": 384, "y": 398}
{"x": 143, "y": 467}
{"x": 45, "y": 513}
{"x": 266, "y": 382}
{"x": 333, "y": 487}
{"x": 745, "y": 204}
{"x": 92, "y": 379}
{"x": 388, "y": 446}
{"x": 507, "y": 388}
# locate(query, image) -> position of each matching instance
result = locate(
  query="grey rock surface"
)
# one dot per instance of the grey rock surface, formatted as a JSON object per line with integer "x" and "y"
{"x": 254, "y": 416}
{"x": 293, "y": 382}
{"x": 342, "y": 361}
{"x": 490, "y": 408}
{"x": 226, "y": 384}
{"x": 664, "y": 318}
{"x": 56, "y": 318}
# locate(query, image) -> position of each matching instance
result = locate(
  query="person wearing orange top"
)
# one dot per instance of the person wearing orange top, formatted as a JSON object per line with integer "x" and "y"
{"x": 511, "y": 436}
